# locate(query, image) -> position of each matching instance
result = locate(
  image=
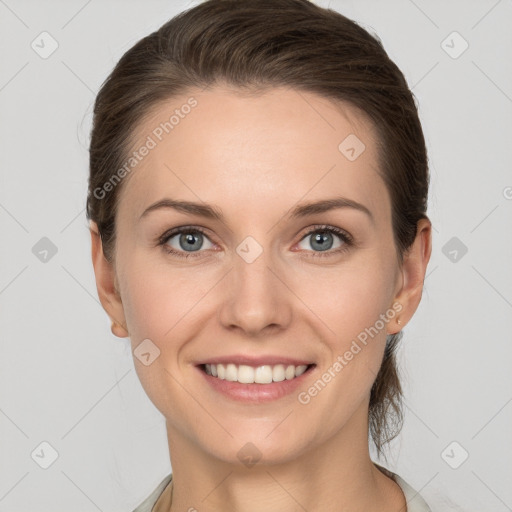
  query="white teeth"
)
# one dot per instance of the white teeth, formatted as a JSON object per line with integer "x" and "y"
{"x": 245, "y": 374}
{"x": 263, "y": 374}
{"x": 278, "y": 373}
{"x": 289, "y": 373}
{"x": 231, "y": 372}
{"x": 299, "y": 370}
{"x": 260, "y": 375}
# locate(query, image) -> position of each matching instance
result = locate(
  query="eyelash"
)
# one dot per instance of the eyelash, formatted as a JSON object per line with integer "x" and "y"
{"x": 347, "y": 239}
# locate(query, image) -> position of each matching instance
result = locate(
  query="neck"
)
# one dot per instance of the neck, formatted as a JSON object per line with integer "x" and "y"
{"x": 336, "y": 475}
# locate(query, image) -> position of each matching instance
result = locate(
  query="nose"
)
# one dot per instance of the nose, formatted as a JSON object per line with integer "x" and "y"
{"x": 256, "y": 298}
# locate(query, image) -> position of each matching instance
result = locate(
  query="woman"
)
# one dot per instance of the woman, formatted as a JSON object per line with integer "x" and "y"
{"x": 257, "y": 197}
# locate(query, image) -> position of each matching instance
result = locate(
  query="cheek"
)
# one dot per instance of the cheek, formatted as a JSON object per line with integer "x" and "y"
{"x": 159, "y": 301}
{"x": 350, "y": 298}
{"x": 350, "y": 301}
{"x": 152, "y": 305}
{"x": 157, "y": 306}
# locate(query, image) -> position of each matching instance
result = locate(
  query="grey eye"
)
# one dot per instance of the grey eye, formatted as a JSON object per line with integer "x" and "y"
{"x": 189, "y": 241}
{"x": 321, "y": 240}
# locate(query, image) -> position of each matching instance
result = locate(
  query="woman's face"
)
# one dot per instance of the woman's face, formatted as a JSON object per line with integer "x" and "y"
{"x": 264, "y": 284}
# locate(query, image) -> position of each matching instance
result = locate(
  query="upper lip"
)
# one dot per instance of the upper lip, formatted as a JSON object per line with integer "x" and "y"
{"x": 255, "y": 361}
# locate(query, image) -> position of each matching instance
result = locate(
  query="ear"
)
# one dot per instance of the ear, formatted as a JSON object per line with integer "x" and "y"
{"x": 413, "y": 272}
{"x": 106, "y": 284}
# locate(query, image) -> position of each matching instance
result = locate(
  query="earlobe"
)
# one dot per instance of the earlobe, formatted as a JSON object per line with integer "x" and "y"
{"x": 413, "y": 272}
{"x": 119, "y": 330}
{"x": 106, "y": 286}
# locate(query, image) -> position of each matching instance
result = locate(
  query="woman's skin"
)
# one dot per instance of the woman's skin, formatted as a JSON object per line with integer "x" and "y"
{"x": 254, "y": 158}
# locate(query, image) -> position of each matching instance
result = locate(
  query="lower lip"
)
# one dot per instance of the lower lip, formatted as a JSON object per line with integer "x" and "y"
{"x": 255, "y": 393}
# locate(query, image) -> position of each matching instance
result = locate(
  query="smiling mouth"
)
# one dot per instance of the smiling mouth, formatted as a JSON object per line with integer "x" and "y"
{"x": 264, "y": 374}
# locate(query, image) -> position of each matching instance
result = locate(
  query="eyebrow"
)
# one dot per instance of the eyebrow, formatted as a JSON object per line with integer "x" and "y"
{"x": 300, "y": 211}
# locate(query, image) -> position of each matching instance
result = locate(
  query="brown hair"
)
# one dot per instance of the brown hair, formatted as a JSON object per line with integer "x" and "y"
{"x": 256, "y": 45}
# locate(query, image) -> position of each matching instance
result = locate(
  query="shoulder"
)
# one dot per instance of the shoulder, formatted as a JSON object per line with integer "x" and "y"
{"x": 415, "y": 502}
{"x": 148, "y": 504}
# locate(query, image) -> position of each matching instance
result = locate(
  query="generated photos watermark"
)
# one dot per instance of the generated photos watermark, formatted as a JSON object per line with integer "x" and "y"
{"x": 304, "y": 397}
{"x": 151, "y": 142}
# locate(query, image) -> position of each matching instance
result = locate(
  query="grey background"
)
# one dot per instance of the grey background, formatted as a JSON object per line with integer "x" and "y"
{"x": 66, "y": 380}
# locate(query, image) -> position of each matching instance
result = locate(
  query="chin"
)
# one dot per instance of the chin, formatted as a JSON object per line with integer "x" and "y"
{"x": 247, "y": 450}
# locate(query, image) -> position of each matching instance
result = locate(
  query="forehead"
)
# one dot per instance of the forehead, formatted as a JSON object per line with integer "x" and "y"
{"x": 251, "y": 151}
